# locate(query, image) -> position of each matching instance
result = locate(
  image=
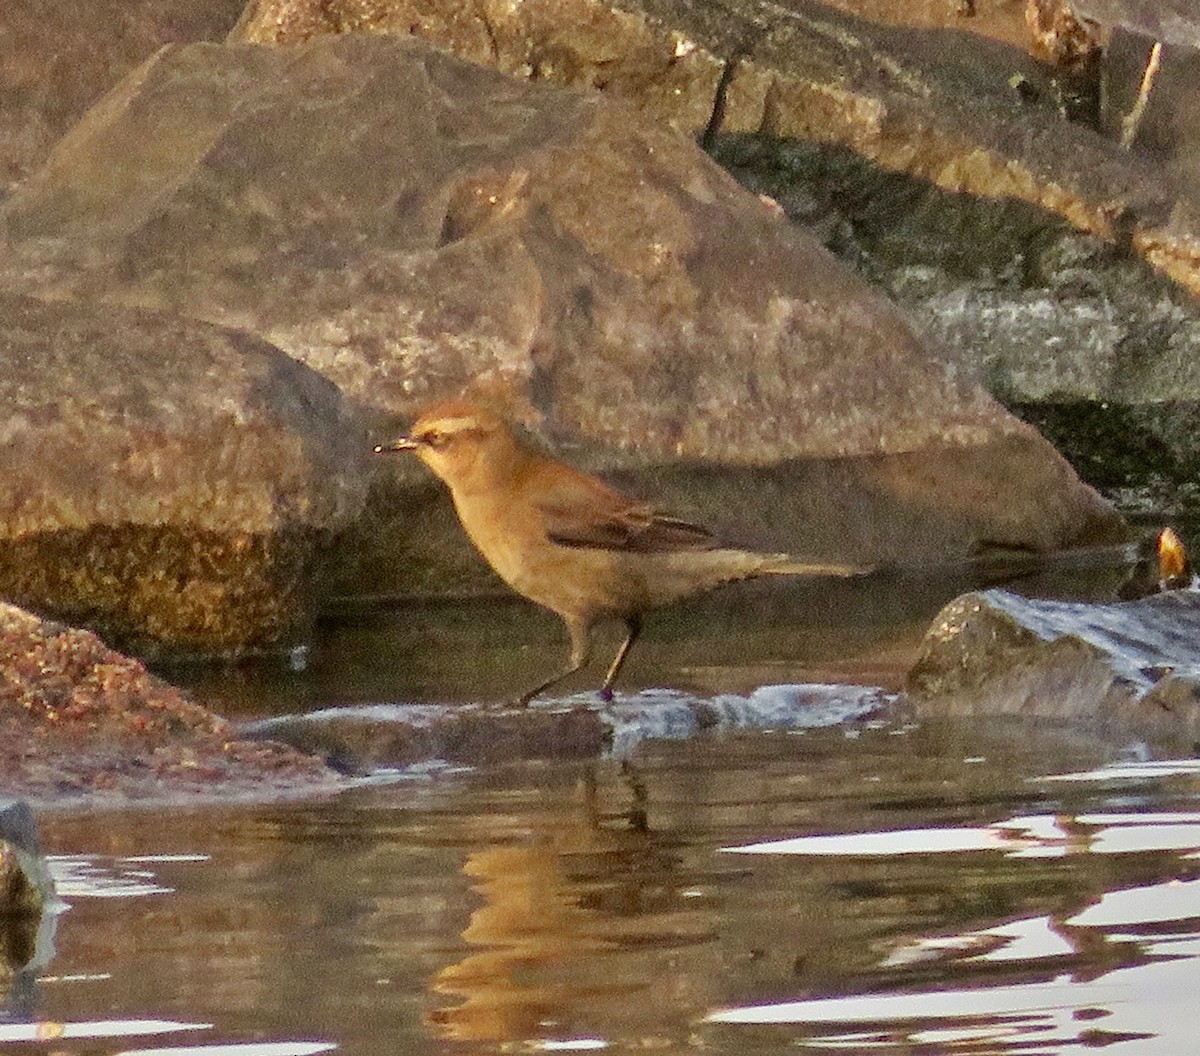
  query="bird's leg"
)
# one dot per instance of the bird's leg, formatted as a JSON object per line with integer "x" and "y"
{"x": 581, "y": 647}
{"x": 633, "y": 627}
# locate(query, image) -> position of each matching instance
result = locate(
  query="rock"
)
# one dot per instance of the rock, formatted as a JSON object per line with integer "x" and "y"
{"x": 994, "y": 21}
{"x": 25, "y": 881}
{"x": 57, "y": 59}
{"x": 940, "y": 164}
{"x": 79, "y": 721}
{"x": 1058, "y": 36}
{"x": 1128, "y": 666}
{"x": 166, "y": 481}
{"x": 1065, "y": 329}
{"x": 18, "y": 828}
{"x": 359, "y": 740}
{"x": 904, "y": 100}
{"x": 1171, "y": 21}
{"x": 591, "y": 270}
{"x": 26, "y": 892}
{"x": 365, "y": 738}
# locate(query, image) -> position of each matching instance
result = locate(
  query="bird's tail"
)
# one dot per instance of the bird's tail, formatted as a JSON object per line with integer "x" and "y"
{"x": 787, "y": 565}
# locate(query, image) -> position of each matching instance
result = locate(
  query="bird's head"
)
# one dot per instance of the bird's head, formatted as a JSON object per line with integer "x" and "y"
{"x": 456, "y": 439}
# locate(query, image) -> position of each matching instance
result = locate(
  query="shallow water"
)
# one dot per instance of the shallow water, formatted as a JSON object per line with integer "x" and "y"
{"x": 869, "y": 886}
{"x": 863, "y": 630}
{"x": 865, "y": 888}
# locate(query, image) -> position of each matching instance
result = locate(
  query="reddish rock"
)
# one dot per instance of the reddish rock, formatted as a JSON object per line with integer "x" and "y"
{"x": 79, "y": 720}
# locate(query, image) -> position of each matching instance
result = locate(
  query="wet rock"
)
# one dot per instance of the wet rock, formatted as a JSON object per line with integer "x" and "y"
{"x": 25, "y": 882}
{"x": 358, "y": 740}
{"x": 940, "y": 164}
{"x": 166, "y": 481}
{"x": 26, "y": 891}
{"x": 1129, "y": 666}
{"x": 672, "y": 715}
{"x": 79, "y": 721}
{"x": 590, "y": 269}
{"x": 363, "y": 739}
{"x": 57, "y": 59}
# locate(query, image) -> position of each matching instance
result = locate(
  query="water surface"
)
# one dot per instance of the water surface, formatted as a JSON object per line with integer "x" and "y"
{"x": 870, "y": 886}
{"x": 865, "y": 888}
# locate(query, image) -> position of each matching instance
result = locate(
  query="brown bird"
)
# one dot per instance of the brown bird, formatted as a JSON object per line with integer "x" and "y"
{"x": 567, "y": 540}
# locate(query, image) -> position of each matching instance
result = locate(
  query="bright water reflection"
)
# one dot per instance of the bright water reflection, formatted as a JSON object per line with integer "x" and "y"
{"x": 1121, "y": 969}
{"x": 939, "y": 889}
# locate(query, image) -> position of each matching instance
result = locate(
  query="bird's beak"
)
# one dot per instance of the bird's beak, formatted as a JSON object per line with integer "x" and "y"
{"x": 403, "y": 443}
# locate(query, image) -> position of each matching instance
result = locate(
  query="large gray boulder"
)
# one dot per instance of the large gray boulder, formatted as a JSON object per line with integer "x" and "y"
{"x": 167, "y": 481}
{"x": 407, "y": 224}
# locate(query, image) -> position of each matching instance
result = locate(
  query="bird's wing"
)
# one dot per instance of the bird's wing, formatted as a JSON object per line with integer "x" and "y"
{"x": 581, "y": 511}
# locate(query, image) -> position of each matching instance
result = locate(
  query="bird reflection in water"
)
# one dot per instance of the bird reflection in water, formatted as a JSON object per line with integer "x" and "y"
{"x": 536, "y": 916}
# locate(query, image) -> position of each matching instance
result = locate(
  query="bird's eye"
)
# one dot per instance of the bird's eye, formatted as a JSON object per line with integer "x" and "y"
{"x": 433, "y": 438}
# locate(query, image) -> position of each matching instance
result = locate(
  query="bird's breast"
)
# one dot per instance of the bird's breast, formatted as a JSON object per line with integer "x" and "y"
{"x": 575, "y": 582}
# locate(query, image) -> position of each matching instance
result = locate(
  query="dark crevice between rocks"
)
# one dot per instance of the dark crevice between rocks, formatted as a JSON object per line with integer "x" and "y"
{"x": 1143, "y": 457}
{"x": 716, "y": 119}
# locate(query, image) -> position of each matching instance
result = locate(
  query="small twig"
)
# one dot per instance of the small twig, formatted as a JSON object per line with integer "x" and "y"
{"x": 1131, "y": 121}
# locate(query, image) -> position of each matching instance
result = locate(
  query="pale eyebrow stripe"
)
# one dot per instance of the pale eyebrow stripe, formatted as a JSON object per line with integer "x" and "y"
{"x": 451, "y": 425}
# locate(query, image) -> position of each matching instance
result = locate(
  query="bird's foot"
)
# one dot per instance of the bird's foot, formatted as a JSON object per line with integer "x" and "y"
{"x": 606, "y": 694}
